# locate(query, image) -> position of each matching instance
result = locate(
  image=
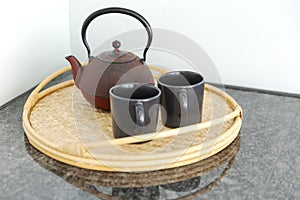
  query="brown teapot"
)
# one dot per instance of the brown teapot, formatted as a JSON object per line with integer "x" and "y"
{"x": 110, "y": 67}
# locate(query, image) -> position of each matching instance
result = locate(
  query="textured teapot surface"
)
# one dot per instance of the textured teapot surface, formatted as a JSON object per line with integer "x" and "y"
{"x": 116, "y": 56}
{"x": 99, "y": 76}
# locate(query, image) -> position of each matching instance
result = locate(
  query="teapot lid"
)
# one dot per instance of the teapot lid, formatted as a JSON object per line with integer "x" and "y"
{"x": 116, "y": 56}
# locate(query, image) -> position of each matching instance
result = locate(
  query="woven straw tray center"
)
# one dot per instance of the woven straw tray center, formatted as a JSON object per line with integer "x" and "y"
{"x": 53, "y": 118}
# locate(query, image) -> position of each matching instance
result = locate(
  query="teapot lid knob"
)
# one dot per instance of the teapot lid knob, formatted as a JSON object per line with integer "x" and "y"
{"x": 116, "y": 44}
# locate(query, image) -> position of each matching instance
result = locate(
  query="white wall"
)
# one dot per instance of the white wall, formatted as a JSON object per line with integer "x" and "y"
{"x": 34, "y": 39}
{"x": 253, "y": 43}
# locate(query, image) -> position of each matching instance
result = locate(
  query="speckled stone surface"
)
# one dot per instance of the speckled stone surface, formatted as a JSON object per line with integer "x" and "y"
{"x": 267, "y": 165}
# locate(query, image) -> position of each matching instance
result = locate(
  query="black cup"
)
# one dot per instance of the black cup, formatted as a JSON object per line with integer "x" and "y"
{"x": 182, "y": 97}
{"x": 134, "y": 109}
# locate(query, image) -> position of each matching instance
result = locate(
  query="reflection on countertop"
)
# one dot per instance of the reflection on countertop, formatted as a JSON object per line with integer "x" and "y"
{"x": 148, "y": 185}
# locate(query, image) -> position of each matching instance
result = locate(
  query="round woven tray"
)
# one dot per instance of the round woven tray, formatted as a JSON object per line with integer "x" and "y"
{"x": 82, "y": 136}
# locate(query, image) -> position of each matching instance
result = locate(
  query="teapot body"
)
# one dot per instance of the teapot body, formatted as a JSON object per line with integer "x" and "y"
{"x": 98, "y": 77}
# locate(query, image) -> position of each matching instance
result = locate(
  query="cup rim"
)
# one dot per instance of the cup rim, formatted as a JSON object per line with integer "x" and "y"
{"x": 135, "y": 84}
{"x": 179, "y": 86}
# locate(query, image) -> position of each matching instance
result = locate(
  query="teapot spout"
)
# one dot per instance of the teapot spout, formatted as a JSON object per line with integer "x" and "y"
{"x": 75, "y": 64}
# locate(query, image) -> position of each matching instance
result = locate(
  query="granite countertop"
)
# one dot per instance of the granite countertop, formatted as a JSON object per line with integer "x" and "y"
{"x": 262, "y": 163}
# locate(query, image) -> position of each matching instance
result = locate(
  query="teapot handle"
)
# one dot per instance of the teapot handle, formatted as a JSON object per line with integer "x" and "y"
{"x": 121, "y": 11}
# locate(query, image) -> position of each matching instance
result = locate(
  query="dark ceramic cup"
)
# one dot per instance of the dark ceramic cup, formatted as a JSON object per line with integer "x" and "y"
{"x": 134, "y": 109}
{"x": 181, "y": 98}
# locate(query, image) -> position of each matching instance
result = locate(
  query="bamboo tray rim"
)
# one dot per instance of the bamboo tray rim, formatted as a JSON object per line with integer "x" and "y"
{"x": 45, "y": 146}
